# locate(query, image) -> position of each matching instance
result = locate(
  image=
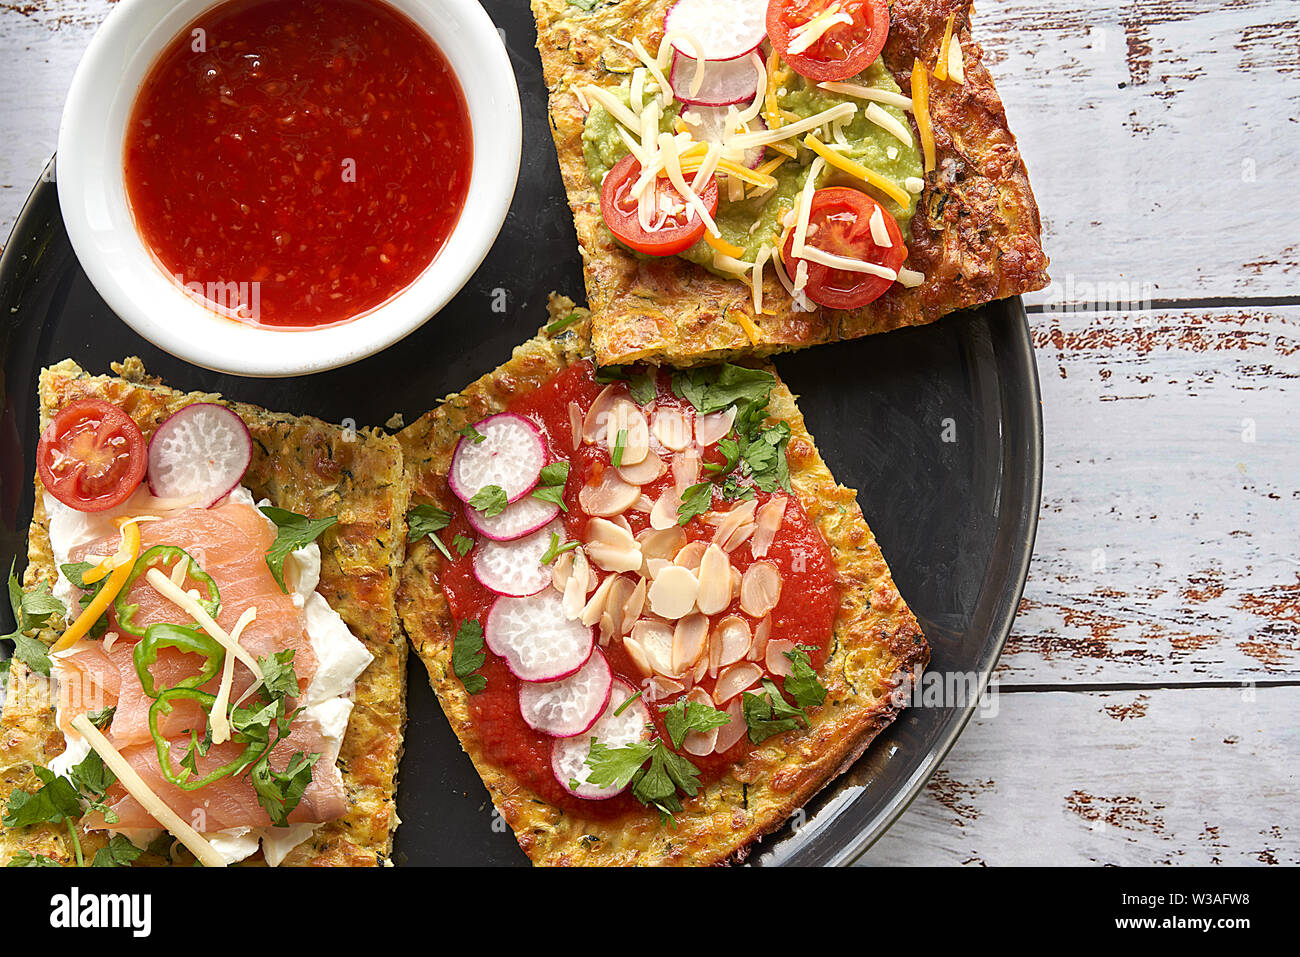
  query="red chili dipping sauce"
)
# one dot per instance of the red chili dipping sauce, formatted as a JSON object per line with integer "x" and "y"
{"x": 298, "y": 162}
{"x": 805, "y": 613}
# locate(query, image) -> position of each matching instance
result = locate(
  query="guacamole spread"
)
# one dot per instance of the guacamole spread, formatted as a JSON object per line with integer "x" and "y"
{"x": 756, "y": 221}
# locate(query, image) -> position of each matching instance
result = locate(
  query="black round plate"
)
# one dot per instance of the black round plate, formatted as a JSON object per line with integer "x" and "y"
{"x": 938, "y": 427}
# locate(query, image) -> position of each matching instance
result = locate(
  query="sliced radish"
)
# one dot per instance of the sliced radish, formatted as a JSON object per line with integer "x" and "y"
{"x": 522, "y": 518}
{"x": 571, "y": 705}
{"x": 535, "y": 638}
{"x": 725, "y": 82}
{"x": 724, "y": 28}
{"x": 515, "y": 567}
{"x": 569, "y": 755}
{"x": 712, "y": 127}
{"x": 200, "y": 453}
{"x": 510, "y": 456}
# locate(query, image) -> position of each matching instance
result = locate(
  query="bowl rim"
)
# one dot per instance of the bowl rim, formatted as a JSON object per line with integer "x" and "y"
{"x": 122, "y": 268}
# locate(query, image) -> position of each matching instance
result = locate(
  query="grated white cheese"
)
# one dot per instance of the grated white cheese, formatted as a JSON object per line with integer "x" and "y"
{"x": 889, "y": 124}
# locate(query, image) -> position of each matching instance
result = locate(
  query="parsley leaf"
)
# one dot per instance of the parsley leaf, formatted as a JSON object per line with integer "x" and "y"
{"x": 551, "y": 485}
{"x": 768, "y": 713}
{"x": 640, "y": 384}
{"x": 557, "y": 473}
{"x": 462, "y": 544}
{"x": 491, "y": 500}
{"x": 714, "y": 388}
{"x": 120, "y": 852}
{"x": 280, "y": 791}
{"x": 102, "y": 719}
{"x": 73, "y": 572}
{"x": 684, "y": 717}
{"x": 428, "y": 520}
{"x": 278, "y": 674}
{"x": 28, "y": 859}
{"x": 695, "y": 501}
{"x": 56, "y": 800}
{"x": 32, "y": 610}
{"x": 802, "y": 683}
{"x": 472, "y": 434}
{"x": 655, "y": 784}
{"x": 615, "y": 767}
{"x": 467, "y": 656}
{"x": 294, "y": 531}
{"x": 553, "y": 494}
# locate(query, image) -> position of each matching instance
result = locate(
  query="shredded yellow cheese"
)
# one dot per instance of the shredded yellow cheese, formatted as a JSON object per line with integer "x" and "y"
{"x": 724, "y": 247}
{"x": 921, "y": 110}
{"x": 892, "y": 190}
{"x": 750, "y": 330}
{"x": 941, "y": 64}
{"x": 112, "y": 585}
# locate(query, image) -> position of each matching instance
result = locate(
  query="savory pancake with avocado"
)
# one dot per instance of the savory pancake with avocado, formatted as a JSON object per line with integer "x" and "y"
{"x": 654, "y": 620}
{"x": 785, "y": 195}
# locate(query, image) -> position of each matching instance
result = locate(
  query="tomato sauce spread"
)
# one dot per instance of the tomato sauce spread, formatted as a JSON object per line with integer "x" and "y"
{"x": 805, "y": 612}
{"x": 299, "y": 161}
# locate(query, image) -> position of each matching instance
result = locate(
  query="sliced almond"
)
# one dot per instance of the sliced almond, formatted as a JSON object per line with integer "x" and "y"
{"x": 608, "y": 629}
{"x": 672, "y": 595}
{"x": 597, "y": 603}
{"x": 715, "y": 653}
{"x": 701, "y": 667}
{"x": 619, "y": 593}
{"x": 714, "y": 426}
{"x": 636, "y": 652}
{"x": 731, "y": 521}
{"x": 611, "y": 546}
{"x": 626, "y": 420}
{"x": 577, "y": 587}
{"x": 760, "y": 589}
{"x": 597, "y": 418}
{"x": 643, "y": 504}
{"x": 612, "y": 496}
{"x": 775, "y": 659}
{"x": 644, "y": 472}
{"x": 739, "y": 537}
{"x": 734, "y": 730}
{"x": 690, "y": 555}
{"x": 633, "y": 607}
{"x": 664, "y": 512}
{"x": 686, "y": 469}
{"x": 653, "y": 566}
{"x": 656, "y": 640}
{"x": 561, "y": 570}
{"x": 690, "y": 641}
{"x": 735, "y": 582}
{"x": 700, "y": 743}
{"x": 762, "y": 631}
{"x": 662, "y": 543}
{"x": 657, "y": 688}
{"x": 734, "y": 640}
{"x": 672, "y": 429}
{"x": 734, "y": 680}
{"x": 575, "y": 423}
{"x": 715, "y": 581}
{"x": 770, "y": 516}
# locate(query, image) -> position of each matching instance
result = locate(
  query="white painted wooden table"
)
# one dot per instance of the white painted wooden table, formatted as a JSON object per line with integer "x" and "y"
{"x": 1149, "y": 698}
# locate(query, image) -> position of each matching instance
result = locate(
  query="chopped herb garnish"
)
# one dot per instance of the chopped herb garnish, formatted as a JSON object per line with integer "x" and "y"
{"x": 801, "y": 683}
{"x": 462, "y": 544}
{"x": 556, "y": 548}
{"x": 575, "y": 316}
{"x": 467, "y": 656}
{"x": 293, "y": 531}
{"x": 715, "y": 388}
{"x": 74, "y": 572}
{"x": 640, "y": 384}
{"x": 685, "y": 717}
{"x": 557, "y": 473}
{"x": 32, "y": 611}
{"x": 695, "y": 501}
{"x": 472, "y": 434}
{"x": 654, "y": 771}
{"x": 769, "y": 713}
{"x": 428, "y": 520}
{"x": 630, "y": 698}
{"x": 491, "y": 500}
{"x": 620, "y": 445}
{"x": 551, "y": 484}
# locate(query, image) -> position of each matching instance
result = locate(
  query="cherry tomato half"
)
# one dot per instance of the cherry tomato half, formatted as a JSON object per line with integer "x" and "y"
{"x": 844, "y": 50}
{"x": 675, "y": 229}
{"x": 839, "y": 222}
{"x": 91, "y": 456}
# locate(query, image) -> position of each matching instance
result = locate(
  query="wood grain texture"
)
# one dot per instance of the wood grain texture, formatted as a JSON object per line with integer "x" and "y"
{"x": 1205, "y": 776}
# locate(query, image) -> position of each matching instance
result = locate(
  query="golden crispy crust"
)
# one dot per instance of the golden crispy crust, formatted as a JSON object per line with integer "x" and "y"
{"x": 878, "y": 651}
{"x": 975, "y": 234}
{"x": 310, "y": 467}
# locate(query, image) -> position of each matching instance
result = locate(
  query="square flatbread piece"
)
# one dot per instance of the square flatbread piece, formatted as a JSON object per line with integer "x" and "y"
{"x": 304, "y": 465}
{"x": 975, "y": 234}
{"x": 878, "y": 650}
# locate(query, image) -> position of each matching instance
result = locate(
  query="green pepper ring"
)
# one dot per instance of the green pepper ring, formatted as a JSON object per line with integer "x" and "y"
{"x": 160, "y": 708}
{"x": 186, "y": 639}
{"x": 126, "y": 612}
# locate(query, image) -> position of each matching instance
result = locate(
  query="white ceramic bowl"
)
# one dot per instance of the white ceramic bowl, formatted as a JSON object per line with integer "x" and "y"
{"x": 92, "y": 195}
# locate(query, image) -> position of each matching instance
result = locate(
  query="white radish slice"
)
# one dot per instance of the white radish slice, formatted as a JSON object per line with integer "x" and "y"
{"x": 515, "y": 567}
{"x": 537, "y": 642}
{"x": 510, "y": 455}
{"x": 200, "y": 453}
{"x": 571, "y": 705}
{"x": 712, "y": 127}
{"x": 517, "y": 520}
{"x": 725, "y": 83}
{"x": 724, "y": 28}
{"x": 569, "y": 755}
